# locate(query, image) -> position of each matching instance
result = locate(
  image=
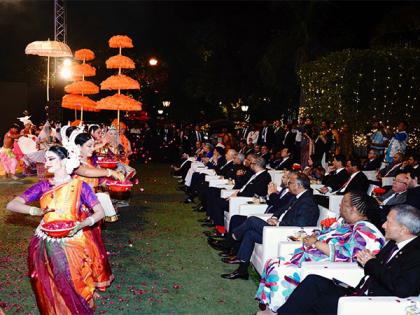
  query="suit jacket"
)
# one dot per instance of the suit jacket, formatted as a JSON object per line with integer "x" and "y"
{"x": 228, "y": 170}
{"x": 285, "y": 164}
{"x": 194, "y": 138}
{"x": 289, "y": 140}
{"x": 358, "y": 183}
{"x": 279, "y": 205}
{"x": 269, "y": 137}
{"x": 278, "y": 138}
{"x": 390, "y": 171}
{"x": 400, "y": 276}
{"x": 398, "y": 200}
{"x": 302, "y": 211}
{"x": 413, "y": 197}
{"x": 257, "y": 186}
{"x": 373, "y": 165}
{"x": 336, "y": 180}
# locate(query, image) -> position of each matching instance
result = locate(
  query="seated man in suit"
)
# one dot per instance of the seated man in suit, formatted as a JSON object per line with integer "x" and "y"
{"x": 413, "y": 192}
{"x": 395, "y": 196}
{"x": 277, "y": 202}
{"x": 283, "y": 160}
{"x": 303, "y": 211}
{"x": 393, "y": 168}
{"x": 335, "y": 179}
{"x": 395, "y": 271}
{"x": 256, "y": 185}
{"x": 373, "y": 161}
{"x": 357, "y": 181}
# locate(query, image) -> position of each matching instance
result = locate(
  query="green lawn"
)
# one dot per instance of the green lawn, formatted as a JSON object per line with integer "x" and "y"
{"x": 159, "y": 256}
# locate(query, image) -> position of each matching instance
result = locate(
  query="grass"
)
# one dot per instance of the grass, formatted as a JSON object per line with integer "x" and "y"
{"x": 159, "y": 256}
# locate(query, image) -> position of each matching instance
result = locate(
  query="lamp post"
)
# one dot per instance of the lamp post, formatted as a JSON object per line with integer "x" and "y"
{"x": 244, "y": 108}
{"x": 153, "y": 61}
{"x": 166, "y": 104}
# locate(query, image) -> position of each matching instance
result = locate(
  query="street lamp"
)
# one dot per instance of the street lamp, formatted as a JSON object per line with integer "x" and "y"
{"x": 166, "y": 103}
{"x": 153, "y": 62}
{"x": 244, "y": 108}
{"x": 65, "y": 71}
{"x": 160, "y": 111}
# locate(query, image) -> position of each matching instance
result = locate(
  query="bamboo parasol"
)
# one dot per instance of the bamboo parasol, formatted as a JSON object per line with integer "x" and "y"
{"x": 48, "y": 49}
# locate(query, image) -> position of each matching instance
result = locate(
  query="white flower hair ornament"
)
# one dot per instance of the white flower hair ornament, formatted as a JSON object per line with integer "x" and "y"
{"x": 64, "y": 139}
{"x": 73, "y": 160}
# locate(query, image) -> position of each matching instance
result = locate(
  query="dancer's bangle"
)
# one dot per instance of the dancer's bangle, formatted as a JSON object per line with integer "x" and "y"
{"x": 91, "y": 221}
{"x": 33, "y": 211}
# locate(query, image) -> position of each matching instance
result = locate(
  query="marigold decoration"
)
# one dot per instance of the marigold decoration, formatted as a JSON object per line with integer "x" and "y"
{"x": 120, "y": 41}
{"x": 120, "y": 61}
{"x": 84, "y": 55}
{"x": 77, "y": 102}
{"x": 83, "y": 70}
{"x": 120, "y": 82}
{"x": 119, "y": 102}
{"x": 76, "y": 99}
{"x": 76, "y": 123}
{"x": 328, "y": 222}
{"x": 82, "y": 87}
{"x": 379, "y": 191}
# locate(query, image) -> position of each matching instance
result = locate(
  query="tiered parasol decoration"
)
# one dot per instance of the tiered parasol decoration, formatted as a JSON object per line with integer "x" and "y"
{"x": 77, "y": 90}
{"x": 48, "y": 49}
{"x": 120, "y": 81}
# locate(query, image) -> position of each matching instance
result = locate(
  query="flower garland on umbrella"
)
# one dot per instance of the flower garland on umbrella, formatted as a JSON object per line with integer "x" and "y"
{"x": 120, "y": 81}
{"x": 77, "y": 90}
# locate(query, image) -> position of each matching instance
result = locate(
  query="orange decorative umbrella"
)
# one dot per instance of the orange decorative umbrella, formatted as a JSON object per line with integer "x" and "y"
{"x": 82, "y": 87}
{"x": 119, "y": 102}
{"x": 120, "y": 61}
{"x": 120, "y": 82}
{"x": 84, "y": 55}
{"x": 79, "y": 102}
{"x": 83, "y": 70}
{"x": 120, "y": 41}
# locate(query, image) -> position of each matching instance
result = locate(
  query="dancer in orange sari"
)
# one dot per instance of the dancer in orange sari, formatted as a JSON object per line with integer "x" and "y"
{"x": 61, "y": 270}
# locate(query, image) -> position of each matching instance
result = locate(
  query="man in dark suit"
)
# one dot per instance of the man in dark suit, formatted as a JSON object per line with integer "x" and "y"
{"x": 413, "y": 192}
{"x": 196, "y": 135}
{"x": 286, "y": 161}
{"x": 357, "y": 181}
{"x": 279, "y": 133}
{"x": 277, "y": 202}
{"x": 266, "y": 135}
{"x": 395, "y": 271}
{"x": 289, "y": 138}
{"x": 335, "y": 179}
{"x": 256, "y": 185}
{"x": 393, "y": 168}
{"x": 395, "y": 196}
{"x": 373, "y": 161}
{"x": 303, "y": 211}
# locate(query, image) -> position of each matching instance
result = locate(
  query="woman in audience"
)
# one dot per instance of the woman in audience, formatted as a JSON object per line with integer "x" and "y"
{"x": 353, "y": 232}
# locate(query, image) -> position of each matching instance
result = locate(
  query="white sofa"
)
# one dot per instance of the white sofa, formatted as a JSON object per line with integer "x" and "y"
{"x": 275, "y": 237}
{"x": 384, "y": 305}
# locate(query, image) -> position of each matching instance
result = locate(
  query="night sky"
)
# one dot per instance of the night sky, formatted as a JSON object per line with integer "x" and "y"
{"x": 237, "y": 34}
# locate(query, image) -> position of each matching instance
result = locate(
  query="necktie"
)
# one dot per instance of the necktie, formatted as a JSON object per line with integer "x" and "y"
{"x": 365, "y": 286}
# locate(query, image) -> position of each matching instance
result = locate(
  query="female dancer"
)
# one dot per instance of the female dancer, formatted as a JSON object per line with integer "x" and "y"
{"x": 61, "y": 269}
